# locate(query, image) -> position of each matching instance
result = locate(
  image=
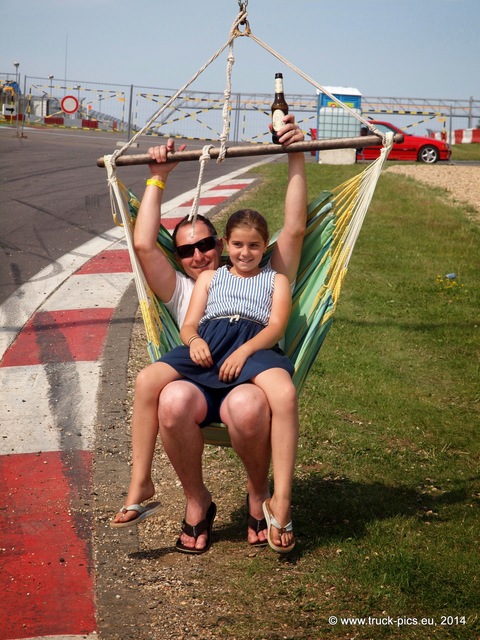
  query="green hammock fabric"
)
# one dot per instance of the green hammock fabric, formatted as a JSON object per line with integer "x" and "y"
{"x": 334, "y": 220}
{"x": 314, "y": 298}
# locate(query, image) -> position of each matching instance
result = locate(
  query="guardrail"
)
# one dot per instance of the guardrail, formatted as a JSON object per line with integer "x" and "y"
{"x": 198, "y": 115}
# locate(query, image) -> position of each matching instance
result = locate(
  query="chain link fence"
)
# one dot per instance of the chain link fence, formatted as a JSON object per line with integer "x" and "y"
{"x": 125, "y": 109}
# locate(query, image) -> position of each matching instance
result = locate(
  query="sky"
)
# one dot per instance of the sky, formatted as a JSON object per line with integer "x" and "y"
{"x": 384, "y": 48}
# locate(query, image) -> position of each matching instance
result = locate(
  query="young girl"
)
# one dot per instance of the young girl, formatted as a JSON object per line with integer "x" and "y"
{"x": 237, "y": 315}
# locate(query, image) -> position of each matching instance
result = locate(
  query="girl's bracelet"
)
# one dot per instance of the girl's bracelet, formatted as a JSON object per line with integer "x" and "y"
{"x": 192, "y": 338}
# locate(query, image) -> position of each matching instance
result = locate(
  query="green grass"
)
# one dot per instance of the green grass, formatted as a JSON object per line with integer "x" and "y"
{"x": 466, "y": 152}
{"x": 387, "y": 488}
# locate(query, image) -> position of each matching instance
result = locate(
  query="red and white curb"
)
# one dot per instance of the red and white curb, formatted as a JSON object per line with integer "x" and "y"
{"x": 53, "y": 333}
{"x": 459, "y": 136}
{"x": 214, "y": 194}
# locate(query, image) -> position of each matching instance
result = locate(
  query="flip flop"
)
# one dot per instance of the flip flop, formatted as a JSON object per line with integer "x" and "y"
{"x": 194, "y": 531}
{"x": 273, "y": 522}
{"x": 257, "y": 526}
{"x": 151, "y": 509}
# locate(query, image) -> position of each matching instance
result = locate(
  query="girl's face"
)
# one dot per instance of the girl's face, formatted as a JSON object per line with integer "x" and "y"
{"x": 245, "y": 248}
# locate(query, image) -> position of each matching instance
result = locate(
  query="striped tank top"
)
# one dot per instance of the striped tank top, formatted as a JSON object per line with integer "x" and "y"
{"x": 231, "y": 295}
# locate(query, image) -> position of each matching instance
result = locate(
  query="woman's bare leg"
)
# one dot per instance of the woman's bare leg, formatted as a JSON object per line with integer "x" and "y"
{"x": 182, "y": 408}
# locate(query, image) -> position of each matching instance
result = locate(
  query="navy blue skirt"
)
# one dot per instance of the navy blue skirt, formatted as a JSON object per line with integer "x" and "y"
{"x": 223, "y": 336}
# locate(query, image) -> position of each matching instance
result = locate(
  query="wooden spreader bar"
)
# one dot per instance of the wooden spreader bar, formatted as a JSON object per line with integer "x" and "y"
{"x": 257, "y": 150}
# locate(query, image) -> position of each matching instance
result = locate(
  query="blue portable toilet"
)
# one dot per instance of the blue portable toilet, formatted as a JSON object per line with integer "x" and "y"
{"x": 332, "y": 120}
{"x": 335, "y": 122}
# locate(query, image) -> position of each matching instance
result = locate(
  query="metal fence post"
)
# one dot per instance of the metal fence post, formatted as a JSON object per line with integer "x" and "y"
{"x": 236, "y": 123}
{"x": 450, "y": 127}
{"x": 24, "y": 106}
{"x": 130, "y": 106}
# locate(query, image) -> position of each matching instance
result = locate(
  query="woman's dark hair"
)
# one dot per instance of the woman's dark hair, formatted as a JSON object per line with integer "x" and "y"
{"x": 247, "y": 218}
{"x": 185, "y": 221}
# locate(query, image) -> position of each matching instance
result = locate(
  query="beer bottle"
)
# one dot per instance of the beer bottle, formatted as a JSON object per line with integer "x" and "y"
{"x": 279, "y": 107}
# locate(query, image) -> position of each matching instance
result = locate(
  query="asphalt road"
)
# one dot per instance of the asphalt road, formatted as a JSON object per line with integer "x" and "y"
{"x": 53, "y": 197}
{"x": 64, "y": 383}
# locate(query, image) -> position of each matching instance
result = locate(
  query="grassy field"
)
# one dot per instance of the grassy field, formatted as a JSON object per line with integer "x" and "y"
{"x": 387, "y": 488}
{"x": 465, "y": 152}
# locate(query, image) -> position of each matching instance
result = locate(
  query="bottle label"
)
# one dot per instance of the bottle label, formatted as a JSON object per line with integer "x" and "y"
{"x": 278, "y": 85}
{"x": 277, "y": 119}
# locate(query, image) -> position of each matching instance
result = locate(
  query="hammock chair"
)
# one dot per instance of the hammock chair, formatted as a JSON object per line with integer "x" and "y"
{"x": 334, "y": 221}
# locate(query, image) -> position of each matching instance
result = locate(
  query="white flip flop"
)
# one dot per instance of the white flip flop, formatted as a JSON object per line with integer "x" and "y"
{"x": 150, "y": 509}
{"x": 273, "y": 522}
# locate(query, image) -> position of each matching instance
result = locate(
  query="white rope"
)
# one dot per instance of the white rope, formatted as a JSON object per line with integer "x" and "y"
{"x": 226, "y": 107}
{"x": 233, "y": 34}
{"x": 369, "y": 181}
{"x": 360, "y": 118}
{"x": 118, "y": 205}
{"x": 204, "y": 158}
{"x": 371, "y": 173}
{"x": 116, "y": 199}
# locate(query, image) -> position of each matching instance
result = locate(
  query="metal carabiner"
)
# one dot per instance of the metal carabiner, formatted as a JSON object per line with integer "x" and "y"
{"x": 243, "y": 9}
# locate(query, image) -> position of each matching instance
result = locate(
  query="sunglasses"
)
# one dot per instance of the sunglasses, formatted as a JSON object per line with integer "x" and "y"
{"x": 204, "y": 245}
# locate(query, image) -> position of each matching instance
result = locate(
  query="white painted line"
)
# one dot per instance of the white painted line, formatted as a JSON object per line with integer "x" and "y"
{"x": 224, "y": 193}
{"x": 89, "y": 291}
{"x": 26, "y": 300}
{"x": 22, "y": 304}
{"x": 48, "y": 407}
{"x": 181, "y": 212}
{"x": 188, "y": 195}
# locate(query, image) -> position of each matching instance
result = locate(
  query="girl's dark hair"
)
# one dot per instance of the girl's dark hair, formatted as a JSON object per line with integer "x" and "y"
{"x": 247, "y": 218}
{"x": 185, "y": 221}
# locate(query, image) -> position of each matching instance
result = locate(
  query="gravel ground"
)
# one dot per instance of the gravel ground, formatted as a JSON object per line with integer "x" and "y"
{"x": 461, "y": 182}
{"x": 144, "y": 588}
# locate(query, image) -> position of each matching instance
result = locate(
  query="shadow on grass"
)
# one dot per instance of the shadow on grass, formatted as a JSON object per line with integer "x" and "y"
{"x": 329, "y": 510}
{"x": 336, "y": 509}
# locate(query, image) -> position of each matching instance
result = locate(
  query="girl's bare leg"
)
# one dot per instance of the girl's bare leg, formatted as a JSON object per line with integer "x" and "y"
{"x": 246, "y": 413}
{"x": 282, "y": 398}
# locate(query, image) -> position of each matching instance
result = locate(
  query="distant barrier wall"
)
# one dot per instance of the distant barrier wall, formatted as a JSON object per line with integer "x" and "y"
{"x": 459, "y": 136}
{"x": 199, "y": 115}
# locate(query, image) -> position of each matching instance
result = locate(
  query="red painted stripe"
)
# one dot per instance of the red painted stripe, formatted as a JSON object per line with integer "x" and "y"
{"x": 210, "y": 201}
{"x": 60, "y": 336}
{"x": 171, "y": 223}
{"x": 222, "y": 187}
{"x": 46, "y": 572}
{"x": 114, "y": 261}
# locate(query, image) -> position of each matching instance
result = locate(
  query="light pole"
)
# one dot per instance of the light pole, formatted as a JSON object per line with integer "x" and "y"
{"x": 78, "y": 87}
{"x": 17, "y": 90}
{"x": 50, "y": 77}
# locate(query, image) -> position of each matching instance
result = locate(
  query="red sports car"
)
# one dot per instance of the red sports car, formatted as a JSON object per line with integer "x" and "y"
{"x": 413, "y": 148}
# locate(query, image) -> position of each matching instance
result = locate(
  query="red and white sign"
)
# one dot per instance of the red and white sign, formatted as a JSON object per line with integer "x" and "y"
{"x": 69, "y": 104}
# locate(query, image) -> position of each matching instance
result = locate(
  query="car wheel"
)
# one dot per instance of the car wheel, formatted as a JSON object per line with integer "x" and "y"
{"x": 429, "y": 155}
